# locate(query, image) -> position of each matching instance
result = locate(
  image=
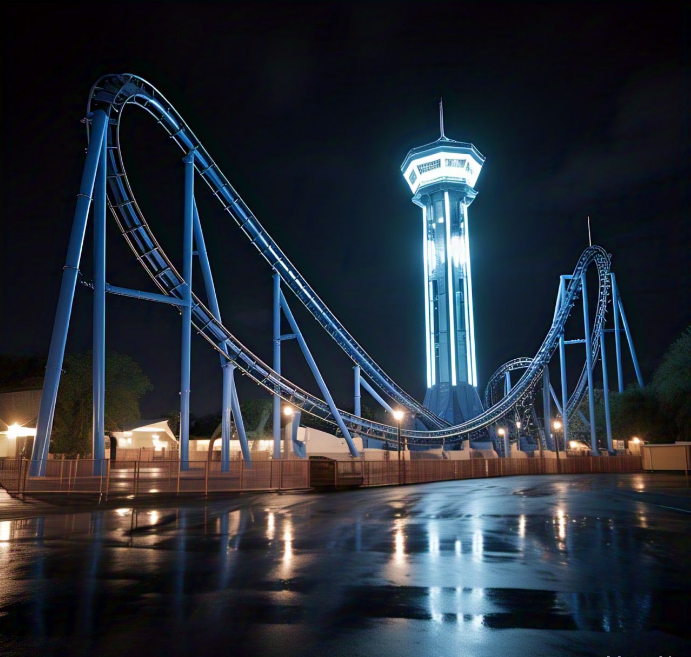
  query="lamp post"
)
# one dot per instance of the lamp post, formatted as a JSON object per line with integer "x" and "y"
{"x": 505, "y": 441}
{"x": 557, "y": 425}
{"x": 518, "y": 435}
{"x": 398, "y": 416}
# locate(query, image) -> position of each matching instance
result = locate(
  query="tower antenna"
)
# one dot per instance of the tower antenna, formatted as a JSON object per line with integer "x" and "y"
{"x": 441, "y": 118}
{"x": 590, "y": 239}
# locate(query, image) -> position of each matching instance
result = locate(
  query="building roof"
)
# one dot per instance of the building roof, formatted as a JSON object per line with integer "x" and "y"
{"x": 443, "y": 144}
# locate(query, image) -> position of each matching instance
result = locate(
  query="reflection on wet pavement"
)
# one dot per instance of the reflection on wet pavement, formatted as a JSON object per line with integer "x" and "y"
{"x": 524, "y": 565}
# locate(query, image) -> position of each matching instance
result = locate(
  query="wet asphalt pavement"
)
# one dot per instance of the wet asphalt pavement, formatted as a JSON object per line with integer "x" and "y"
{"x": 562, "y": 565}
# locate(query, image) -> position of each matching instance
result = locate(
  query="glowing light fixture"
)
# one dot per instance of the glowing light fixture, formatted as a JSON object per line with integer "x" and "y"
{"x": 450, "y": 292}
{"x": 398, "y": 415}
{"x": 287, "y": 411}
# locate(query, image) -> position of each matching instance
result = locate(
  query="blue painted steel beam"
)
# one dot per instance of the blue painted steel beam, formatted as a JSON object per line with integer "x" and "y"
{"x": 589, "y": 366}
{"x": 605, "y": 391}
{"x": 562, "y": 372}
{"x": 629, "y": 339}
{"x": 547, "y": 409}
{"x": 239, "y": 422}
{"x": 145, "y": 296}
{"x": 225, "y": 416}
{"x": 507, "y": 436}
{"x": 277, "y": 362}
{"x": 186, "y": 291}
{"x": 357, "y": 398}
{"x": 228, "y": 390}
{"x": 99, "y": 321}
{"x": 376, "y": 395}
{"x": 318, "y": 377}
{"x": 70, "y": 272}
{"x": 617, "y": 333}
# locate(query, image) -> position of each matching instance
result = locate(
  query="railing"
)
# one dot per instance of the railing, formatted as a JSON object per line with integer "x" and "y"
{"x": 134, "y": 478}
{"x": 387, "y": 473}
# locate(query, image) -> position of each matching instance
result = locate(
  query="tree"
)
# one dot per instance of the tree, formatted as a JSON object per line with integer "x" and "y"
{"x": 672, "y": 385}
{"x": 126, "y": 384}
{"x": 658, "y": 413}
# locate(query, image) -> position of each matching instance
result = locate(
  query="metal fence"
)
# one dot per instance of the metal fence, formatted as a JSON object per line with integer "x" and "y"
{"x": 133, "y": 478}
{"x": 386, "y": 473}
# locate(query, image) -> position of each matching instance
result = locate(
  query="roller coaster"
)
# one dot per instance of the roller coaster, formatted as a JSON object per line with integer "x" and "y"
{"x": 106, "y": 185}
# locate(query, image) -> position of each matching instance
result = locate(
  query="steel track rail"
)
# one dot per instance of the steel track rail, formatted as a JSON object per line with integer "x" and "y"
{"x": 112, "y": 94}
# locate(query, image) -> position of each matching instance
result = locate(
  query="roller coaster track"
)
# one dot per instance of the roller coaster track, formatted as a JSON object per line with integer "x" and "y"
{"x": 112, "y": 94}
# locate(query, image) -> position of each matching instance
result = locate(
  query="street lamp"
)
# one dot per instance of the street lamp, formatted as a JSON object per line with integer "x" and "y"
{"x": 398, "y": 416}
{"x": 557, "y": 424}
{"x": 502, "y": 432}
{"x": 288, "y": 411}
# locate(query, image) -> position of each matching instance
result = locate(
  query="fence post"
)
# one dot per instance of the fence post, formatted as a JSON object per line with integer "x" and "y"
{"x": 206, "y": 477}
{"x": 136, "y": 476}
{"x": 177, "y": 491}
{"x": 242, "y": 473}
{"x": 19, "y": 476}
{"x": 69, "y": 478}
{"x": 107, "y": 478}
{"x": 62, "y": 467}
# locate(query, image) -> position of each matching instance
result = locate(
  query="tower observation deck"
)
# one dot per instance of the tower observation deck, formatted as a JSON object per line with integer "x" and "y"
{"x": 442, "y": 177}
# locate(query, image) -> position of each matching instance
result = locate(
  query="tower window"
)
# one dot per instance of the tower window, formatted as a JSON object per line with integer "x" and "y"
{"x": 428, "y": 166}
{"x": 455, "y": 162}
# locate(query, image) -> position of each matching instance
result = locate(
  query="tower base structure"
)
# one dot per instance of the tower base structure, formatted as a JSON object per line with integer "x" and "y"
{"x": 455, "y": 404}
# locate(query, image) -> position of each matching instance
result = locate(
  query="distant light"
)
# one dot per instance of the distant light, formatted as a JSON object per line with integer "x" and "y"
{"x": 398, "y": 415}
{"x": 557, "y": 424}
{"x": 518, "y": 425}
{"x": 13, "y": 430}
{"x": 573, "y": 444}
{"x": 636, "y": 440}
{"x": 502, "y": 432}
{"x": 287, "y": 411}
{"x": 129, "y": 441}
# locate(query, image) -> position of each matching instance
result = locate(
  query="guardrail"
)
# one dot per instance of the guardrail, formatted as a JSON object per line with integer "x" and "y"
{"x": 133, "y": 478}
{"x": 417, "y": 471}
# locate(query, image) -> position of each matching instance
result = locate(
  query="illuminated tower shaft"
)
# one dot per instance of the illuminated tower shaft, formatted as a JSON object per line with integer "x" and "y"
{"x": 442, "y": 176}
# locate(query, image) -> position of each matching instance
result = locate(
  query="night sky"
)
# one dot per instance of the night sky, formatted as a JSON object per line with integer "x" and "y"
{"x": 309, "y": 110}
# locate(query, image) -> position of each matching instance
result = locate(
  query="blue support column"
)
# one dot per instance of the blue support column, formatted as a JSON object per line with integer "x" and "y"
{"x": 629, "y": 339}
{"x": 357, "y": 398}
{"x": 605, "y": 390}
{"x": 377, "y": 397}
{"x": 318, "y": 377}
{"x": 99, "y": 327}
{"x": 225, "y": 416}
{"x": 562, "y": 371}
{"x": 296, "y": 447}
{"x": 277, "y": 363}
{"x": 547, "y": 409}
{"x": 507, "y": 435}
{"x": 229, "y": 390}
{"x": 70, "y": 272}
{"x": 186, "y": 290}
{"x": 589, "y": 366}
{"x": 239, "y": 423}
{"x": 617, "y": 333}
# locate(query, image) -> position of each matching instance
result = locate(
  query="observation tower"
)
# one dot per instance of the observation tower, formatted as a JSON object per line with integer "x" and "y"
{"x": 442, "y": 177}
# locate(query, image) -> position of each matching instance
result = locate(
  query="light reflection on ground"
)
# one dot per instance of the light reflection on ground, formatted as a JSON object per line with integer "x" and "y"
{"x": 522, "y": 565}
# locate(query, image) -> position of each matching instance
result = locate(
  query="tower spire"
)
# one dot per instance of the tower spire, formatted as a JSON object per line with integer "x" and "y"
{"x": 441, "y": 119}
